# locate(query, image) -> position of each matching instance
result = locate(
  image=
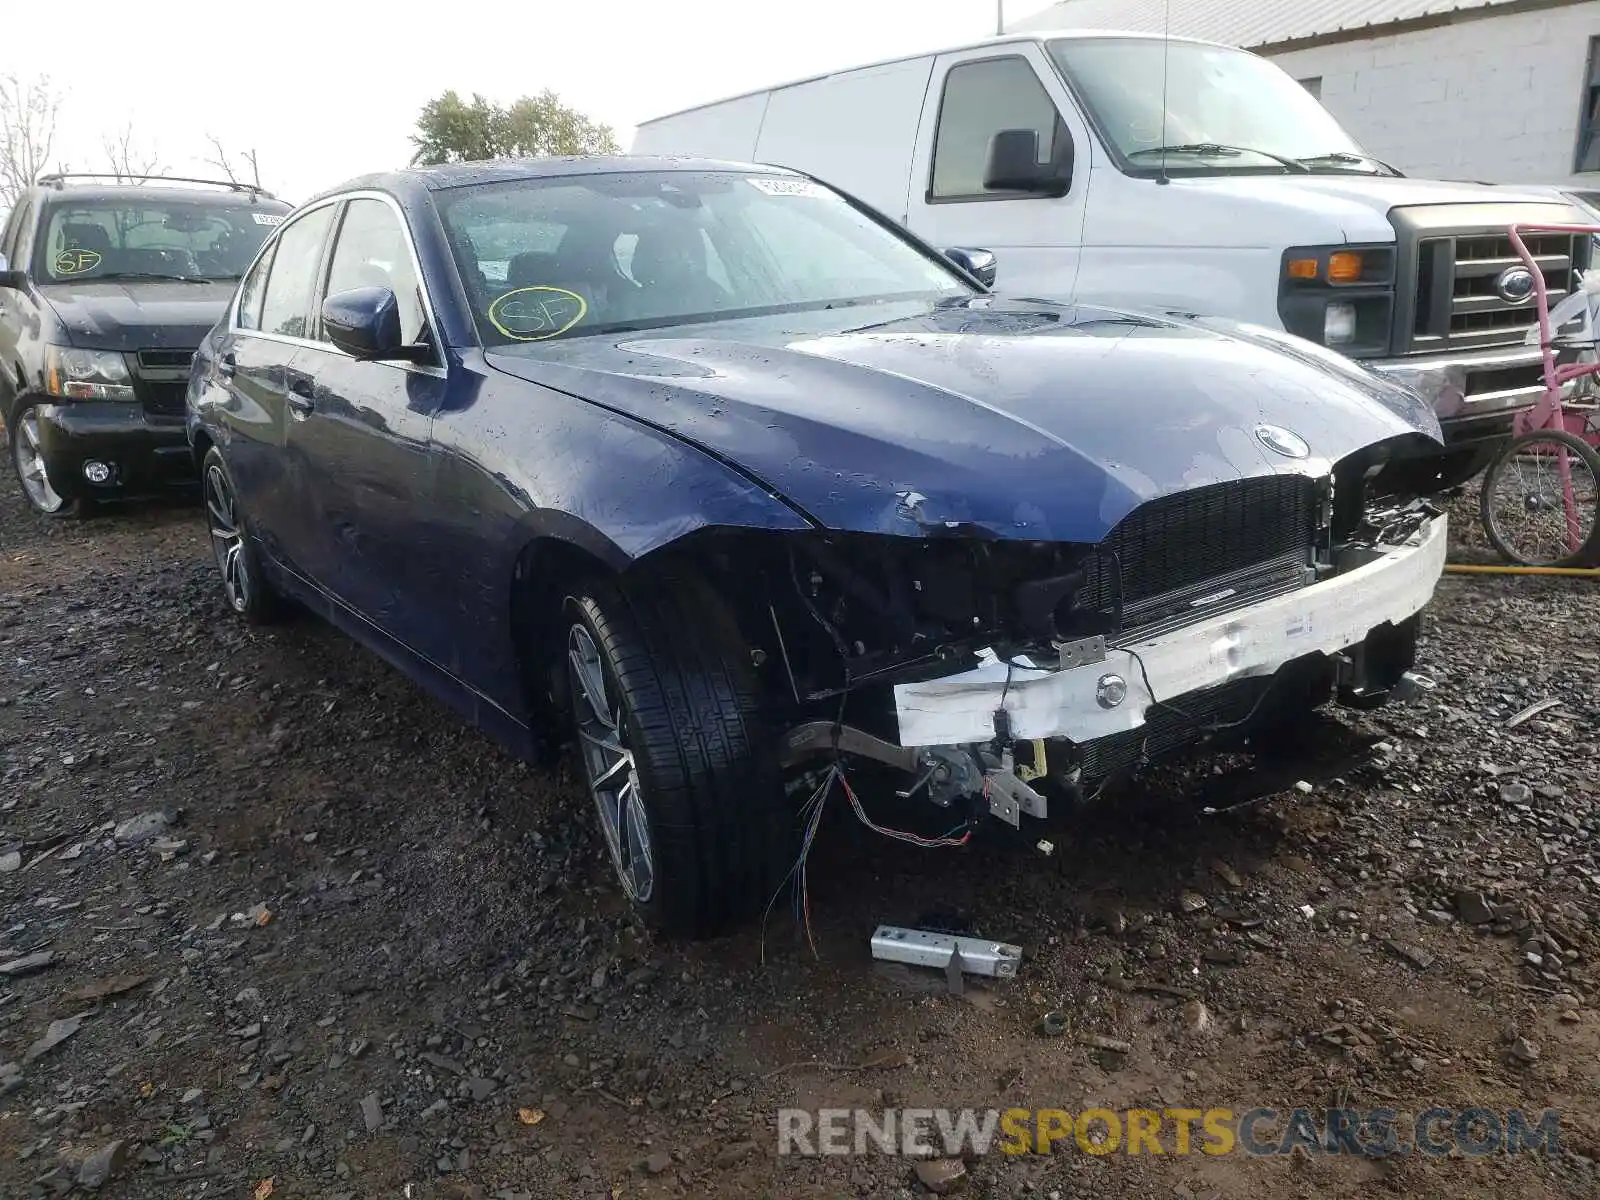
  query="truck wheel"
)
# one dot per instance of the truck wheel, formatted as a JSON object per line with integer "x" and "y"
{"x": 244, "y": 585}
{"x": 676, "y": 752}
{"x": 1523, "y": 503}
{"x": 27, "y": 460}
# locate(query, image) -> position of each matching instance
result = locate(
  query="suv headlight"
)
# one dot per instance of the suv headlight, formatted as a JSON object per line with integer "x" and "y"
{"x": 1341, "y": 297}
{"x": 86, "y": 374}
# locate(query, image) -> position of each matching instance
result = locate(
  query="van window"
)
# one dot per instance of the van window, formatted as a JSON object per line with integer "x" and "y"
{"x": 1215, "y": 97}
{"x": 981, "y": 99}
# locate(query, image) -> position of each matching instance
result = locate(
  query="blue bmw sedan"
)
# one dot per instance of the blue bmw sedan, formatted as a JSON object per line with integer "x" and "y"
{"x": 724, "y": 477}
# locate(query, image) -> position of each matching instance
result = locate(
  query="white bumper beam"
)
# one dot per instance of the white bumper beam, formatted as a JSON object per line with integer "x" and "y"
{"x": 1329, "y": 616}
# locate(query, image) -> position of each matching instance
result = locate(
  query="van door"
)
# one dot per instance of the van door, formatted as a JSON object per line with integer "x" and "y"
{"x": 973, "y": 95}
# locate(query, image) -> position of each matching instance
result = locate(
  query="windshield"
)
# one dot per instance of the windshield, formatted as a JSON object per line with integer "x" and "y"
{"x": 1227, "y": 100}
{"x": 153, "y": 238}
{"x": 546, "y": 258}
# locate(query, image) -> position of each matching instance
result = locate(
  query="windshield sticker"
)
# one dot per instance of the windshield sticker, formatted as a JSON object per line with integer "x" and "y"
{"x": 76, "y": 262}
{"x": 532, "y": 314}
{"x": 787, "y": 187}
{"x": 267, "y": 218}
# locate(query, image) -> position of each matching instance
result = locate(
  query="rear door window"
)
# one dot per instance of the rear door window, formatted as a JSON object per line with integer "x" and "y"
{"x": 254, "y": 292}
{"x": 286, "y": 307}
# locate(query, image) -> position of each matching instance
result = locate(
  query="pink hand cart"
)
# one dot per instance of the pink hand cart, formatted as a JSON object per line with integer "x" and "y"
{"x": 1539, "y": 496}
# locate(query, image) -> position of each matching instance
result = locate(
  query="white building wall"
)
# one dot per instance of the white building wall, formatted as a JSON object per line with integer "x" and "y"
{"x": 1496, "y": 98}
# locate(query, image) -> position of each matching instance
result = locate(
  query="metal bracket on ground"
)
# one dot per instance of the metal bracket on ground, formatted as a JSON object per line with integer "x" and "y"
{"x": 919, "y": 948}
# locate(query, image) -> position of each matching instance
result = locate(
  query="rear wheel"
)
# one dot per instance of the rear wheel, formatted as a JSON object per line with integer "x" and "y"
{"x": 27, "y": 459}
{"x": 244, "y": 587}
{"x": 1539, "y": 500}
{"x": 677, "y": 756}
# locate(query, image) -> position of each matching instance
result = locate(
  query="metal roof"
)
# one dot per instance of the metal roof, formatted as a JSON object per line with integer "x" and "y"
{"x": 1243, "y": 23}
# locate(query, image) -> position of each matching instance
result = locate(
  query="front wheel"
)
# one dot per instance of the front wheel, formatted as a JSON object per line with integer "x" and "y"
{"x": 27, "y": 459}
{"x": 1539, "y": 499}
{"x": 677, "y": 756}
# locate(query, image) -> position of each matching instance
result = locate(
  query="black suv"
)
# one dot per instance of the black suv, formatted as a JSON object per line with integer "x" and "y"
{"x": 106, "y": 289}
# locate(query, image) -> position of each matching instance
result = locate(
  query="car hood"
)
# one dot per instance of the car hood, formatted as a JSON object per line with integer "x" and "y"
{"x": 138, "y": 314}
{"x": 1028, "y": 420}
{"x": 1307, "y": 209}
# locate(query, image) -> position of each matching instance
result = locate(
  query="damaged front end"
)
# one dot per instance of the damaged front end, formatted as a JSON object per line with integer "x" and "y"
{"x": 974, "y": 666}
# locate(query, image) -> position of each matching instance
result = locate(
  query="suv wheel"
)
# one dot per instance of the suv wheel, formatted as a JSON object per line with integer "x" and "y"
{"x": 27, "y": 459}
{"x": 243, "y": 584}
{"x": 677, "y": 757}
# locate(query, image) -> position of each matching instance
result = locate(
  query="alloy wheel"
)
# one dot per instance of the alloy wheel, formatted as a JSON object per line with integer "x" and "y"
{"x": 30, "y": 464}
{"x": 227, "y": 539}
{"x": 609, "y": 766}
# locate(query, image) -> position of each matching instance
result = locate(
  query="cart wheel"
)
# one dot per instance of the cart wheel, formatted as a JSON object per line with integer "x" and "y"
{"x": 1539, "y": 500}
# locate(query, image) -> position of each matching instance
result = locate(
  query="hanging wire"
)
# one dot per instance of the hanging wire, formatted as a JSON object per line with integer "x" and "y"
{"x": 900, "y": 835}
{"x": 811, "y": 813}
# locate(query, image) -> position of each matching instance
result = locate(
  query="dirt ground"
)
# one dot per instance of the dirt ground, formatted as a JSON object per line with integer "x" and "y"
{"x": 294, "y": 922}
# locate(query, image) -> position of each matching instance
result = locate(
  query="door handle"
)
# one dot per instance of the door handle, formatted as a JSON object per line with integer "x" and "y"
{"x": 301, "y": 393}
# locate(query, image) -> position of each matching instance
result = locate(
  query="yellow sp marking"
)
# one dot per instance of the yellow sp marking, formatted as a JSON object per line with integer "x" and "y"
{"x": 76, "y": 262}
{"x": 532, "y": 314}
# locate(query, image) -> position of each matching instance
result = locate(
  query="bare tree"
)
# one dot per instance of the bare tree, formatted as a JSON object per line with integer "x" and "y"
{"x": 224, "y": 162}
{"x": 127, "y": 160}
{"x": 27, "y": 129}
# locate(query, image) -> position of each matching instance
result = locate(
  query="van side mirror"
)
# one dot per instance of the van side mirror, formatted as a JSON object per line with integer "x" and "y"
{"x": 364, "y": 322}
{"x": 1014, "y": 165}
{"x": 980, "y": 264}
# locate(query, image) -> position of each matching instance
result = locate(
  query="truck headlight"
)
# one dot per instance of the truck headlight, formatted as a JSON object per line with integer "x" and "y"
{"x": 75, "y": 374}
{"x": 1341, "y": 297}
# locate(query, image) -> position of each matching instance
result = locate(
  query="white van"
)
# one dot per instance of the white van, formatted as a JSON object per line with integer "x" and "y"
{"x": 1240, "y": 197}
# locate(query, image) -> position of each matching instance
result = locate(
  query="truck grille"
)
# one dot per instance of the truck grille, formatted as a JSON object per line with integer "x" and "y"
{"x": 160, "y": 379}
{"x": 1198, "y": 552}
{"x": 1457, "y": 303}
{"x": 166, "y": 360}
{"x": 164, "y": 398}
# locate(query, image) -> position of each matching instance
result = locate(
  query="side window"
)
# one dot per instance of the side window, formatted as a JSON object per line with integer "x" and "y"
{"x": 253, "y": 292}
{"x": 294, "y": 273}
{"x": 373, "y": 251}
{"x": 980, "y": 99}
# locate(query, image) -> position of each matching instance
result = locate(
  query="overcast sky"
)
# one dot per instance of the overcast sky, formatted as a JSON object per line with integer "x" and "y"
{"x": 327, "y": 89}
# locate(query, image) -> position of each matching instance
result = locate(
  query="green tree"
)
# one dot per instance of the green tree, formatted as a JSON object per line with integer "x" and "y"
{"x": 451, "y": 129}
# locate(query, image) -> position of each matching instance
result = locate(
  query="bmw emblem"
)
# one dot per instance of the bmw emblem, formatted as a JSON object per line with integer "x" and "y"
{"x": 1514, "y": 285}
{"x": 1280, "y": 441}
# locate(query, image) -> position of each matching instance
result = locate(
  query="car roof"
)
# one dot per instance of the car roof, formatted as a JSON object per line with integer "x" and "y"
{"x": 510, "y": 170}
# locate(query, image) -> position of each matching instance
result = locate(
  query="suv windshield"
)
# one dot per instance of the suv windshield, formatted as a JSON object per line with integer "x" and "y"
{"x": 1226, "y": 110}
{"x": 152, "y": 238}
{"x": 604, "y": 253}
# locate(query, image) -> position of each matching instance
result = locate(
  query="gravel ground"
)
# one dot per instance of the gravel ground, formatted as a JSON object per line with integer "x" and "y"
{"x": 274, "y": 922}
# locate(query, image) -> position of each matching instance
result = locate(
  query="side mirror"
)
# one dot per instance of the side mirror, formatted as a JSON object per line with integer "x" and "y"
{"x": 9, "y": 278}
{"x": 980, "y": 264}
{"x": 364, "y": 322}
{"x": 1014, "y": 165}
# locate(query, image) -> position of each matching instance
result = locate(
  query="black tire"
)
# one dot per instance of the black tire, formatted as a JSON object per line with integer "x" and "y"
{"x": 244, "y": 585}
{"x": 38, "y": 490}
{"x": 704, "y": 762}
{"x": 1583, "y": 460}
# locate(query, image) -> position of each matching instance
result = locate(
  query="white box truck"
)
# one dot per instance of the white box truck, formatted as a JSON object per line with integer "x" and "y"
{"x": 1168, "y": 173}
